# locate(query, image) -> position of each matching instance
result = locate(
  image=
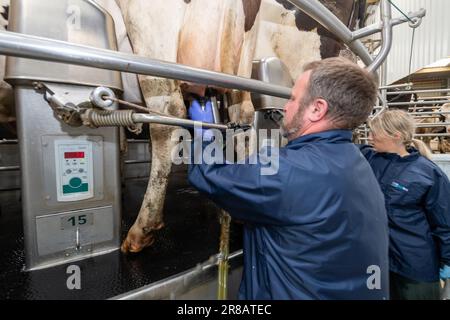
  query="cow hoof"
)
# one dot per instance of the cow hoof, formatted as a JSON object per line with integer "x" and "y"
{"x": 136, "y": 243}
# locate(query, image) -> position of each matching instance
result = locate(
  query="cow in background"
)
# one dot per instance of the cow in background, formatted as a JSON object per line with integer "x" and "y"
{"x": 223, "y": 36}
{"x": 444, "y": 142}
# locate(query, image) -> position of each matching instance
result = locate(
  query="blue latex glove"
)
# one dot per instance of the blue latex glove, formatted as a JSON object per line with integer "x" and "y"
{"x": 203, "y": 113}
{"x": 445, "y": 272}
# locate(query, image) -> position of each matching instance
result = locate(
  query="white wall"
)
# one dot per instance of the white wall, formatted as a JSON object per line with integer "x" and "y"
{"x": 432, "y": 37}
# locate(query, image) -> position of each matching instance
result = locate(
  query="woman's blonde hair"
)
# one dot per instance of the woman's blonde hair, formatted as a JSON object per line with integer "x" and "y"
{"x": 391, "y": 123}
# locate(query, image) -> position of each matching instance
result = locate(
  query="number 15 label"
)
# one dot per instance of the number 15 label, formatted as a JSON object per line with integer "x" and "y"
{"x": 77, "y": 221}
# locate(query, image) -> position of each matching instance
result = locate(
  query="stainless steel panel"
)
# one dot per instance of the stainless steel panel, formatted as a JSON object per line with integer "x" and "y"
{"x": 76, "y": 21}
{"x": 54, "y": 236}
{"x": 36, "y": 123}
{"x": 271, "y": 70}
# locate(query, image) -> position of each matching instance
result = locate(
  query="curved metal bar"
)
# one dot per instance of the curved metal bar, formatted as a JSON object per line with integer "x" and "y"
{"x": 394, "y": 86}
{"x": 377, "y": 27}
{"x": 386, "y": 36}
{"x": 328, "y": 20}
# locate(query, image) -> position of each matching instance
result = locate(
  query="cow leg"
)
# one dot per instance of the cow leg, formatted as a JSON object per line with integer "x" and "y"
{"x": 241, "y": 108}
{"x": 150, "y": 216}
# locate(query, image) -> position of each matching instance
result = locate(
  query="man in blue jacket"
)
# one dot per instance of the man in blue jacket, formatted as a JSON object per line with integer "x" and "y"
{"x": 317, "y": 229}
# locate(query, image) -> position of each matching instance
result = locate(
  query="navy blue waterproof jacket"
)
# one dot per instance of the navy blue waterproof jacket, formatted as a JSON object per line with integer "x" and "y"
{"x": 417, "y": 194}
{"x": 315, "y": 230}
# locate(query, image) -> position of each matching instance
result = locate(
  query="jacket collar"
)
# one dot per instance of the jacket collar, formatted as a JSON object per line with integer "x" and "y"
{"x": 413, "y": 155}
{"x": 330, "y": 136}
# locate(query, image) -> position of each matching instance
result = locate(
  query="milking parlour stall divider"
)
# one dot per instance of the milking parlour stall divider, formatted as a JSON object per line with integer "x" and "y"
{"x": 66, "y": 98}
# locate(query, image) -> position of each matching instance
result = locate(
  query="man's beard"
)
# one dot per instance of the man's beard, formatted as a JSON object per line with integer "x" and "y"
{"x": 290, "y": 129}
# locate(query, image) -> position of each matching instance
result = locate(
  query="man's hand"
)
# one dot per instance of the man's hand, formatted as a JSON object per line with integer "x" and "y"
{"x": 445, "y": 272}
{"x": 202, "y": 111}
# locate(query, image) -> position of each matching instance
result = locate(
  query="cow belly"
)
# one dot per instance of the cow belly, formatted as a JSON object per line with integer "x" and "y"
{"x": 211, "y": 38}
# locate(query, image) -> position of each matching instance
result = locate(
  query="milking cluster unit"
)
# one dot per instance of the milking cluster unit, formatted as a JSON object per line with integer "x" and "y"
{"x": 66, "y": 77}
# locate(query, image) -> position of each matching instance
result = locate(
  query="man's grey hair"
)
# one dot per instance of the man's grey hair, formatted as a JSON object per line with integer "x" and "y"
{"x": 350, "y": 91}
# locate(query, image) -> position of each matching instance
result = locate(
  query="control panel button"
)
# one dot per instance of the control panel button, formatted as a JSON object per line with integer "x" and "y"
{"x": 75, "y": 182}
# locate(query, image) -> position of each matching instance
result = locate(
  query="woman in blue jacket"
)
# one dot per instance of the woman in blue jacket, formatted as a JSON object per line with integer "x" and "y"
{"x": 417, "y": 198}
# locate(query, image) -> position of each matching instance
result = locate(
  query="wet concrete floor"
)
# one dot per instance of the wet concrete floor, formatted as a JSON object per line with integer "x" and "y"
{"x": 191, "y": 236}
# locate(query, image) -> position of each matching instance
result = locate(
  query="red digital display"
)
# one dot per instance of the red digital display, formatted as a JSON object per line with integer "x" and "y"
{"x": 74, "y": 155}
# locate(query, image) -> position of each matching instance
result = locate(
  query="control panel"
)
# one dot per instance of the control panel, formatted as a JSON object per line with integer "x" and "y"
{"x": 74, "y": 170}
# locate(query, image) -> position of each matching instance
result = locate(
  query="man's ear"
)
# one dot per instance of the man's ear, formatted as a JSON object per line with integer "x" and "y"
{"x": 318, "y": 110}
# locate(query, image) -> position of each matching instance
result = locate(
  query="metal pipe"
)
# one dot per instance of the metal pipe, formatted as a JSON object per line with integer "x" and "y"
{"x": 328, "y": 20}
{"x": 224, "y": 251}
{"x": 432, "y": 125}
{"x": 383, "y": 82}
{"x": 386, "y": 36}
{"x": 6, "y": 141}
{"x": 377, "y": 27}
{"x": 129, "y": 162}
{"x": 435, "y": 98}
{"x": 32, "y": 47}
{"x": 10, "y": 189}
{"x": 423, "y": 135}
{"x": 428, "y": 113}
{"x": 393, "y": 93}
{"x": 322, "y": 15}
{"x": 432, "y": 135}
{"x": 425, "y": 108}
{"x": 137, "y": 141}
{"x": 146, "y": 118}
{"x": 137, "y": 178}
{"x": 402, "y": 85}
{"x": 367, "y": 31}
{"x": 11, "y": 168}
{"x": 427, "y": 117}
{"x": 418, "y": 103}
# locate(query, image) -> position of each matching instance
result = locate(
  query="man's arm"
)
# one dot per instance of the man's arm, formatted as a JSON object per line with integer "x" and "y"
{"x": 241, "y": 190}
